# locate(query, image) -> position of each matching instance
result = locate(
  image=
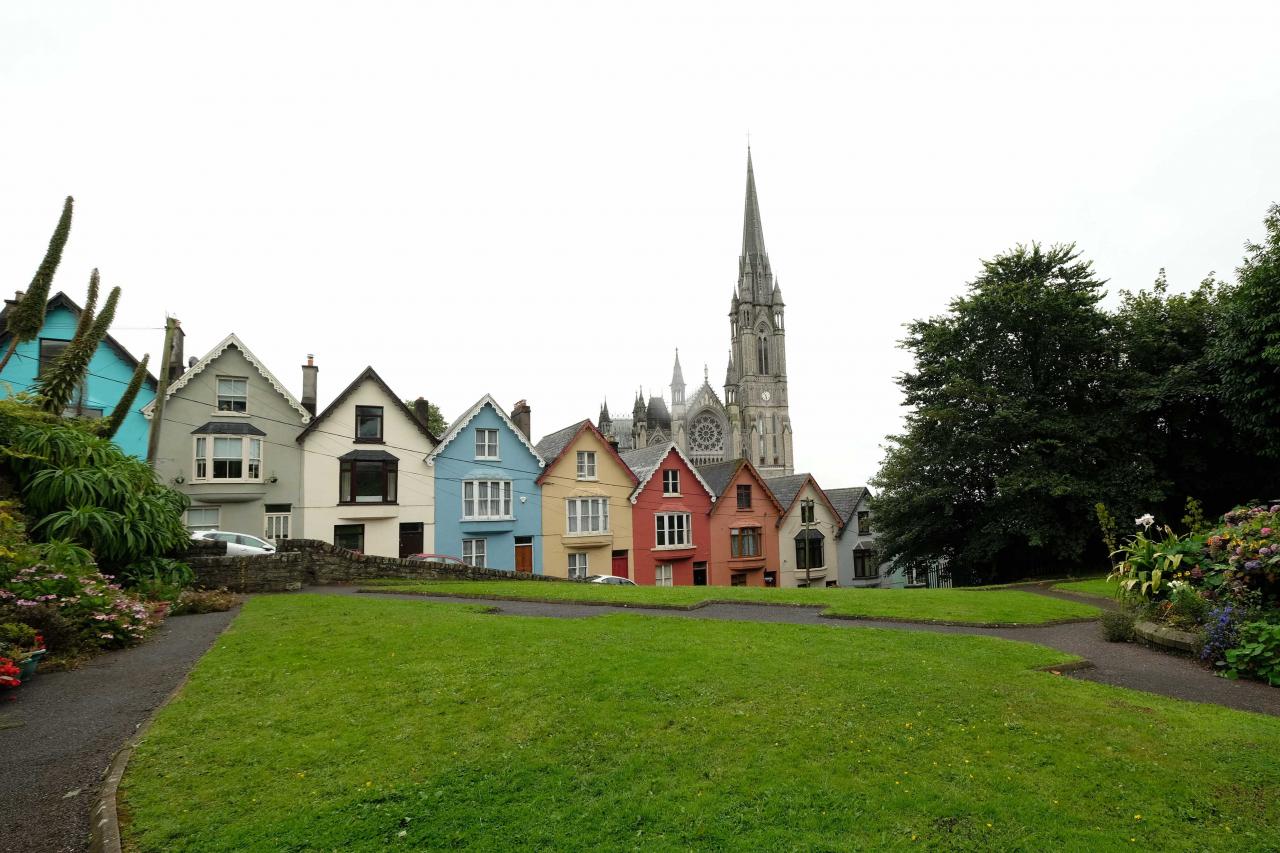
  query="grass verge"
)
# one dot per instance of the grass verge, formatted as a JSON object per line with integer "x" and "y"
{"x": 334, "y": 723}
{"x": 1097, "y": 587}
{"x": 959, "y": 606}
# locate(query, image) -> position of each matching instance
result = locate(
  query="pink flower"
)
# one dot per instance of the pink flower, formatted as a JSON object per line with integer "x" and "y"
{"x": 1266, "y": 531}
{"x": 22, "y": 602}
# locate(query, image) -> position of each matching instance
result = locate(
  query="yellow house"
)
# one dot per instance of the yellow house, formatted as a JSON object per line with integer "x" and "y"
{"x": 586, "y": 505}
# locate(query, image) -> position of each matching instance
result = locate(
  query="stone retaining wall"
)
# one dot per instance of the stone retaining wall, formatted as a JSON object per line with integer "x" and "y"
{"x": 310, "y": 561}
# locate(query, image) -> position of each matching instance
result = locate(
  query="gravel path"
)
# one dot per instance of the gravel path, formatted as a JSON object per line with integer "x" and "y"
{"x": 60, "y": 731}
{"x": 1122, "y": 664}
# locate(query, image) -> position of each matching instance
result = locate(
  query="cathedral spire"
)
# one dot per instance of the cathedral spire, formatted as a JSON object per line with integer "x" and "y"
{"x": 677, "y": 376}
{"x": 752, "y": 229}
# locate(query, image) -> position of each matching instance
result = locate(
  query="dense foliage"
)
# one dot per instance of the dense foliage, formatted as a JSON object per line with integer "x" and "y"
{"x": 1029, "y": 404}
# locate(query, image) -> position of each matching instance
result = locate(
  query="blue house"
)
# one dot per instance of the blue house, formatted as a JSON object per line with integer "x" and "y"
{"x": 109, "y": 372}
{"x": 488, "y": 502}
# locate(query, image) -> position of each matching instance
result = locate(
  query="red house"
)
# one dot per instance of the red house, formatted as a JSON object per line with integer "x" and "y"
{"x": 669, "y": 518}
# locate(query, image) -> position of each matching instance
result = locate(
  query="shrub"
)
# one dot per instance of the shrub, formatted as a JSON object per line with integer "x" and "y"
{"x": 204, "y": 601}
{"x": 1187, "y": 608}
{"x": 1117, "y": 626}
{"x": 1258, "y": 653}
{"x": 1222, "y": 632}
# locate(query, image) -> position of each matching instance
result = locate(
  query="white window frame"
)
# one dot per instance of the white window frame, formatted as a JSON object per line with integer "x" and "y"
{"x": 586, "y": 465}
{"x": 578, "y": 565}
{"x": 663, "y": 575}
{"x": 486, "y": 449}
{"x": 276, "y": 526}
{"x": 202, "y": 459}
{"x": 669, "y": 534}
{"x": 586, "y": 516}
{"x": 497, "y": 495}
{"x": 474, "y": 552}
{"x": 217, "y": 517}
{"x": 218, "y": 395}
{"x": 670, "y": 481}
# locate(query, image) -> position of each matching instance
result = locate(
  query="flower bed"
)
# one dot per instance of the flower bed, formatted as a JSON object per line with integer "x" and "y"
{"x": 1221, "y": 585}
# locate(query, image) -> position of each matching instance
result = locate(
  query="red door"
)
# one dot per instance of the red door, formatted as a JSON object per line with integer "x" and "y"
{"x": 619, "y": 569}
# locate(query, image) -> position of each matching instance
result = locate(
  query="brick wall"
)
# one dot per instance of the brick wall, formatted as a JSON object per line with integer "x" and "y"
{"x": 310, "y": 561}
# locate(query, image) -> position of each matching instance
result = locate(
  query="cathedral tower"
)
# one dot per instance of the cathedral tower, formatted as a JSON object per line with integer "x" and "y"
{"x": 756, "y": 381}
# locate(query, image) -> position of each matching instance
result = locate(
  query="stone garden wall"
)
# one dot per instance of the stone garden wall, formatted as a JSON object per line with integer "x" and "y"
{"x": 310, "y": 561}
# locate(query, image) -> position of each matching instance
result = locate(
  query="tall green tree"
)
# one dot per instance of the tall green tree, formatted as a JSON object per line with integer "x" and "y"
{"x": 1014, "y": 430}
{"x": 1247, "y": 347}
{"x": 26, "y": 318}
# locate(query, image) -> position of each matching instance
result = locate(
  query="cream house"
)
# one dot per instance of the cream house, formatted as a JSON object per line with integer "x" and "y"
{"x": 366, "y": 485}
{"x": 808, "y": 533}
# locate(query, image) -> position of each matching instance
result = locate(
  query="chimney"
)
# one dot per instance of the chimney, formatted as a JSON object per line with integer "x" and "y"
{"x": 174, "y": 368}
{"x": 520, "y": 417}
{"x": 309, "y": 371}
{"x": 423, "y": 411}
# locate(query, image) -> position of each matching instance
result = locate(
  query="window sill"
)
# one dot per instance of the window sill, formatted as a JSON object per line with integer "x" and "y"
{"x": 368, "y": 441}
{"x": 672, "y": 495}
{"x": 744, "y": 509}
{"x": 488, "y": 458}
{"x": 208, "y": 481}
{"x": 588, "y": 479}
{"x": 368, "y": 503}
{"x": 688, "y": 547}
{"x": 471, "y": 518}
{"x": 587, "y": 533}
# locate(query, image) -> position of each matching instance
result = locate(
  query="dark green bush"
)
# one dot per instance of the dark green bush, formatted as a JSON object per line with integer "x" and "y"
{"x": 204, "y": 601}
{"x": 1117, "y": 626}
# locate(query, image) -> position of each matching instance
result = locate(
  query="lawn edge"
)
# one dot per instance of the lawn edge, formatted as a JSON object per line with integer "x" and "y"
{"x": 824, "y": 614}
{"x": 104, "y": 820}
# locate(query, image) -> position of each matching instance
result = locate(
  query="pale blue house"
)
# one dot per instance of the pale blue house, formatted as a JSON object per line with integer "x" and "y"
{"x": 109, "y": 373}
{"x": 488, "y": 502}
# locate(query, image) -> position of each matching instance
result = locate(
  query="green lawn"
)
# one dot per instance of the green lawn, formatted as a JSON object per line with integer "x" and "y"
{"x": 336, "y": 723}
{"x": 1099, "y": 587}
{"x": 1005, "y": 607}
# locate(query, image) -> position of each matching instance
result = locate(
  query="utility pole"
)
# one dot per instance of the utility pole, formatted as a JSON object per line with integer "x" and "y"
{"x": 806, "y": 519}
{"x": 162, "y": 385}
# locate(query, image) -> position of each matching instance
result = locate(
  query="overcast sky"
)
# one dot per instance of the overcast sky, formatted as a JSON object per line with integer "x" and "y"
{"x": 544, "y": 200}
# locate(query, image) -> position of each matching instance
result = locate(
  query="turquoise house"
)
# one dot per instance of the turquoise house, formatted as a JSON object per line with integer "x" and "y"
{"x": 109, "y": 373}
{"x": 488, "y": 502}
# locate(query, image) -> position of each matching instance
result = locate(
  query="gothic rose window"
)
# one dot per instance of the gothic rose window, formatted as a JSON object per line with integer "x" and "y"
{"x": 706, "y": 435}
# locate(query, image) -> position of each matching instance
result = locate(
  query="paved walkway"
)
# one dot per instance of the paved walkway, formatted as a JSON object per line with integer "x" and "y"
{"x": 1123, "y": 664}
{"x": 61, "y": 730}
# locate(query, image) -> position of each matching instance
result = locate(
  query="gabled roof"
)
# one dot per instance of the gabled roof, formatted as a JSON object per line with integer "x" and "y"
{"x": 368, "y": 374}
{"x": 61, "y": 300}
{"x": 786, "y": 489}
{"x": 846, "y": 500}
{"x": 553, "y": 446}
{"x": 469, "y": 415}
{"x": 720, "y": 474}
{"x": 196, "y": 369}
{"x": 645, "y": 461}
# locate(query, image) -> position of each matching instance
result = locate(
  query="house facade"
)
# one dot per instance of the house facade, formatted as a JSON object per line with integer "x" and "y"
{"x": 858, "y": 557}
{"x": 743, "y": 526}
{"x": 488, "y": 501}
{"x": 808, "y": 533}
{"x": 227, "y": 441}
{"x": 669, "y": 516}
{"x": 365, "y": 484}
{"x": 110, "y": 370}
{"x": 586, "y": 505}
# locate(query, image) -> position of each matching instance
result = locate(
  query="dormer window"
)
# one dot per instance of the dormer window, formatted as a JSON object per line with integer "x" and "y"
{"x": 233, "y": 394}
{"x": 369, "y": 423}
{"x": 671, "y": 482}
{"x": 487, "y": 444}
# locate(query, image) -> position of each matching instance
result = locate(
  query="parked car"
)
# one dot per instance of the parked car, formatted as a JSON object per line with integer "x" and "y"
{"x": 438, "y": 558}
{"x": 614, "y": 579}
{"x": 238, "y": 544}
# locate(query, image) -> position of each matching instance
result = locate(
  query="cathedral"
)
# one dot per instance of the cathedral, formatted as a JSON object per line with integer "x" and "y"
{"x": 752, "y": 420}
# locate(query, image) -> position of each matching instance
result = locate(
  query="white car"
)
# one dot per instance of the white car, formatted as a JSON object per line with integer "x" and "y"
{"x": 238, "y": 544}
{"x": 613, "y": 579}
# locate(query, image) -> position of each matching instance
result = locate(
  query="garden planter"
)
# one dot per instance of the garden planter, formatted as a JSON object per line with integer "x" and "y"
{"x": 1163, "y": 635}
{"x": 27, "y": 666}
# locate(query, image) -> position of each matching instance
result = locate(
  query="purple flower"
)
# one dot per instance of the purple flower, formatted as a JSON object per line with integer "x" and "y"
{"x": 22, "y": 602}
{"x": 1249, "y": 566}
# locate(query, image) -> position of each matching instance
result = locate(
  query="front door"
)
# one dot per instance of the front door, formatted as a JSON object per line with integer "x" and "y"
{"x": 410, "y": 539}
{"x": 619, "y": 567}
{"x": 699, "y": 574}
{"x": 524, "y": 553}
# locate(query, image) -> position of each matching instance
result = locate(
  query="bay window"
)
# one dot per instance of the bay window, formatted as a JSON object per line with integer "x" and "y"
{"x": 673, "y": 530}
{"x": 744, "y": 542}
{"x": 810, "y": 550}
{"x": 368, "y": 477}
{"x": 486, "y": 499}
{"x": 227, "y": 457}
{"x": 587, "y": 515}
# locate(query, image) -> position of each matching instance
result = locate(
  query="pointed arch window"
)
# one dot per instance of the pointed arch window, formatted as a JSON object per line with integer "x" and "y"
{"x": 762, "y": 351}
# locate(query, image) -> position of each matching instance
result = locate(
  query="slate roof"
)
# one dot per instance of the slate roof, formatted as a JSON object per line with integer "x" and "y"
{"x": 718, "y": 474}
{"x": 372, "y": 375}
{"x": 455, "y": 429}
{"x": 229, "y": 428}
{"x": 643, "y": 461}
{"x": 785, "y": 489}
{"x": 622, "y": 432}
{"x": 846, "y": 500}
{"x": 552, "y": 445}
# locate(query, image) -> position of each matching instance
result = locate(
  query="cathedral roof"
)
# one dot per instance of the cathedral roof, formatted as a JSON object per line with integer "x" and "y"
{"x": 677, "y": 376}
{"x": 786, "y": 489}
{"x": 657, "y": 413}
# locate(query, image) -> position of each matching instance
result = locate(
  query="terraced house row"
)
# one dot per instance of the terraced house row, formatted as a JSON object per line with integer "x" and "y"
{"x": 366, "y": 473}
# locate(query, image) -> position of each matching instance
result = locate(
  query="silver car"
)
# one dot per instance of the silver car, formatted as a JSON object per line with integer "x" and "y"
{"x": 238, "y": 544}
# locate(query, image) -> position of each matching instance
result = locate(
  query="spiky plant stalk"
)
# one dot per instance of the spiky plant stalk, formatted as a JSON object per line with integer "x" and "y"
{"x": 59, "y": 383}
{"x": 109, "y": 427}
{"x": 27, "y": 317}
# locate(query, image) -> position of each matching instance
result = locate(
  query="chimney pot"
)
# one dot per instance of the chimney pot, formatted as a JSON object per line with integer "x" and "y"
{"x": 423, "y": 411}
{"x": 309, "y": 375}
